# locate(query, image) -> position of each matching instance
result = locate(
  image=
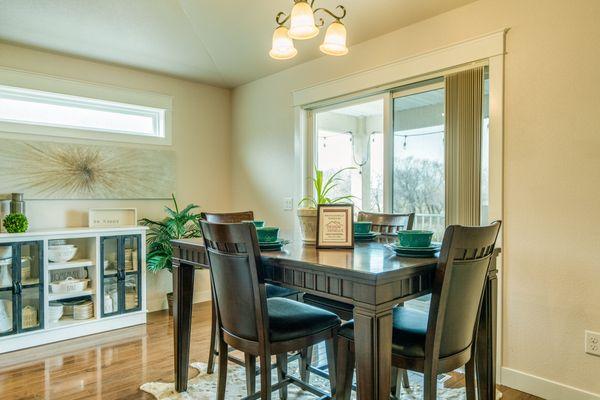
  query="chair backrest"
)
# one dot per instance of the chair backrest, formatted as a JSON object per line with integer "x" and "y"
{"x": 388, "y": 224}
{"x": 228, "y": 218}
{"x": 458, "y": 288}
{"x": 236, "y": 278}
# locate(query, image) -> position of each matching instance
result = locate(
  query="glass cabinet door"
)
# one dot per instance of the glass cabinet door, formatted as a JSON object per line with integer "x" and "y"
{"x": 7, "y": 325}
{"x": 131, "y": 264}
{"x": 31, "y": 286}
{"x": 110, "y": 299}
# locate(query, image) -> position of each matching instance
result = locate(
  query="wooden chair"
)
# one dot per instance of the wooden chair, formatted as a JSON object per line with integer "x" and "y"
{"x": 272, "y": 290}
{"x": 227, "y": 218}
{"x": 388, "y": 224}
{"x": 443, "y": 339}
{"x": 253, "y": 324}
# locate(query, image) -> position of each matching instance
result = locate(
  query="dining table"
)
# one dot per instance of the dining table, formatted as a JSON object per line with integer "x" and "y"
{"x": 369, "y": 276}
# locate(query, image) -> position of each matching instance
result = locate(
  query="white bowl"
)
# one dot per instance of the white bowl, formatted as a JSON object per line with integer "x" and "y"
{"x": 5, "y": 251}
{"x": 59, "y": 254}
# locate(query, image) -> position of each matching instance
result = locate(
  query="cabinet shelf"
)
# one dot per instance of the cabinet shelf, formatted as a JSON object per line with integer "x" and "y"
{"x": 70, "y": 295}
{"x": 70, "y": 264}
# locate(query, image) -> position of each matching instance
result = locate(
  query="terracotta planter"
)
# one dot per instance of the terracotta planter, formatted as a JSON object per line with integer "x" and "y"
{"x": 308, "y": 225}
{"x": 170, "y": 302}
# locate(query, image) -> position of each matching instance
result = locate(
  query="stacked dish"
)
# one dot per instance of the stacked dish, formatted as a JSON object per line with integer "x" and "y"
{"x": 85, "y": 310}
{"x": 55, "y": 311}
{"x": 131, "y": 300}
{"x": 416, "y": 244}
{"x": 60, "y": 252}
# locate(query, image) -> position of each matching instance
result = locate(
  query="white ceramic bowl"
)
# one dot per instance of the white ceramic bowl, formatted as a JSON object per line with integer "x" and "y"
{"x": 55, "y": 312}
{"x": 61, "y": 254}
{"x": 5, "y": 252}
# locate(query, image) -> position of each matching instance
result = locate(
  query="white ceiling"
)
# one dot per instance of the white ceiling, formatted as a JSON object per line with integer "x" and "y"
{"x": 221, "y": 42}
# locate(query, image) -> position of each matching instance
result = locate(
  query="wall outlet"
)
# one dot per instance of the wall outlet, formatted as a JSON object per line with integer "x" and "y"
{"x": 288, "y": 204}
{"x": 592, "y": 343}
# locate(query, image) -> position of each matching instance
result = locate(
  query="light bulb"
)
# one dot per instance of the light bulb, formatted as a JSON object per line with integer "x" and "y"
{"x": 283, "y": 45}
{"x": 334, "y": 43}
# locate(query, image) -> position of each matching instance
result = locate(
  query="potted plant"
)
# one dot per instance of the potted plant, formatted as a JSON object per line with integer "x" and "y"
{"x": 178, "y": 224}
{"x": 307, "y": 215}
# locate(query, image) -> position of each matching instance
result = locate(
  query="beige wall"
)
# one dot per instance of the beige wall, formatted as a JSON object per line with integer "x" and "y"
{"x": 551, "y": 161}
{"x": 201, "y": 140}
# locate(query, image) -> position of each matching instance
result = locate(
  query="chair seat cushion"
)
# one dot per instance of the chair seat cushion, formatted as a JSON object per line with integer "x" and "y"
{"x": 280, "y": 291}
{"x": 343, "y": 310}
{"x": 410, "y": 330}
{"x": 289, "y": 319}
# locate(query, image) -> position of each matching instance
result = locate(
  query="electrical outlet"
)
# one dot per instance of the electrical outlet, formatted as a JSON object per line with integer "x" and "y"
{"x": 288, "y": 204}
{"x": 592, "y": 343}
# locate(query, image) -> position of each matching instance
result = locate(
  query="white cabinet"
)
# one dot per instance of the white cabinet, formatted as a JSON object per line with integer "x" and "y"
{"x": 44, "y": 298}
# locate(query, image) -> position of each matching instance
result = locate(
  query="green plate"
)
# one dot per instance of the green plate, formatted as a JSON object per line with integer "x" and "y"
{"x": 433, "y": 246}
{"x": 415, "y": 255}
{"x": 271, "y": 248}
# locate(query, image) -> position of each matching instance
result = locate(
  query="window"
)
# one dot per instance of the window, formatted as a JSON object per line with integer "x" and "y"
{"x": 351, "y": 136}
{"x": 418, "y": 161}
{"x": 32, "y": 107}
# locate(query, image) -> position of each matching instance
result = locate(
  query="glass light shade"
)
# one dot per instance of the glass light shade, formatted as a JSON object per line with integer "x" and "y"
{"x": 303, "y": 22}
{"x": 283, "y": 45}
{"x": 334, "y": 43}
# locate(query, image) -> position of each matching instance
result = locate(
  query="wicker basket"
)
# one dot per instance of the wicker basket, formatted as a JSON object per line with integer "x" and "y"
{"x": 29, "y": 316}
{"x": 69, "y": 285}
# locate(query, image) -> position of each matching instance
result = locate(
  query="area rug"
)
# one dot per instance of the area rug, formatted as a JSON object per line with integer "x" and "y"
{"x": 204, "y": 386}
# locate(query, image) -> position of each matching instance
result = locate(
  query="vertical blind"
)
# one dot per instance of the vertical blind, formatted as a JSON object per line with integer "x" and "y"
{"x": 463, "y": 114}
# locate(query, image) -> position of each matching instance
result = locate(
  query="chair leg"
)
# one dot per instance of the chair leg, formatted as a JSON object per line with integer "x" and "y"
{"x": 265, "y": 377}
{"x": 304, "y": 361}
{"x": 405, "y": 381}
{"x": 331, "y": 350}
{"x": 470, "y": 379}
{"x": 250, "y": 364}
{"x": 399, "y": 381}
{"x": 344, "y": 370}
{"x": 429, "y": 386}
{"x": 282, "y": 364}
{"x": 213, "y": 345}
{"x": 222, "y": 382}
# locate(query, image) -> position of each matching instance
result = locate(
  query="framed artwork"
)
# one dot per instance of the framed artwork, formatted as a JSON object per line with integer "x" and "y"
{"x": 335, "y": 226}
{"x": 112, "y": 217}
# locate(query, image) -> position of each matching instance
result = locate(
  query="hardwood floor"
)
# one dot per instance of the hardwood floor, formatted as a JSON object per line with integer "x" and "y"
{"x": 113, "y": 365}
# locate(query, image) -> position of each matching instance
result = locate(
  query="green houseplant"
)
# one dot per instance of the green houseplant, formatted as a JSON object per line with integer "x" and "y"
{"x": 322, "y": 194}
{"x": 16, "y": 223}
{"x": 178, "y": 224}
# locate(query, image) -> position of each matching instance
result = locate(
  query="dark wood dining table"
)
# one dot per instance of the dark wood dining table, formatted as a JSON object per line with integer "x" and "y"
{"x": 370, "y": 276}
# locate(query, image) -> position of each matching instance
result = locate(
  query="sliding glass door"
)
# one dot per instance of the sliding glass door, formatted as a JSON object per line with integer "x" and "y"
{"x": 418, "y": 156}
{"x": 349, "y": 137}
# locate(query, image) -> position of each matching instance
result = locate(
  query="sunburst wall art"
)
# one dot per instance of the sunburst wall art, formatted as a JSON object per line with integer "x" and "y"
{"x": 45, "y": 170}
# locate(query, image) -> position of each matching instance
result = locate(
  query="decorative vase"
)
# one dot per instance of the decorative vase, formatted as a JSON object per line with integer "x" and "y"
{"x": 308, "y": 225}
{"x": 170, "y": 303}
{"x": 5, "y": 275}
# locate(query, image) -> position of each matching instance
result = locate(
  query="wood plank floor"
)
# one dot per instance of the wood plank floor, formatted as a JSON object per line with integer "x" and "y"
{"x": 113, "y": 365}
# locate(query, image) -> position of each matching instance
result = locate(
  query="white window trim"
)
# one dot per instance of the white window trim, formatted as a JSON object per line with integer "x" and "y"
{"x": 82, "y": 91}
{"x": 489, "y": 48}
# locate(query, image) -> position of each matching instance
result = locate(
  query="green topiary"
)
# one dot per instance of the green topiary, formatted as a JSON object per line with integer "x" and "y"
{"x": 16, "y": 223}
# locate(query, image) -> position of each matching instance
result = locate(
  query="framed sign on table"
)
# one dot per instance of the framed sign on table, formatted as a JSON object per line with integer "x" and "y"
{"x": 335, "y": 228}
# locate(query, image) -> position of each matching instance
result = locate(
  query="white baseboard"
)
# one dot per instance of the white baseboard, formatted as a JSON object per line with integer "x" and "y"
{"x": 542, "y": 387}
{"x": 157, "y": 303}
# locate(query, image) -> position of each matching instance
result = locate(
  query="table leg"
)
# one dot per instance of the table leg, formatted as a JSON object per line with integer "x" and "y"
{"x": 183, "y": 294}
{"x": 373, "y": 347}
{"x": 486, "y": 341}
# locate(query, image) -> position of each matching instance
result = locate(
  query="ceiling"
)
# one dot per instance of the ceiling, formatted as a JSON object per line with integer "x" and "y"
{"x": 220, "y": 42}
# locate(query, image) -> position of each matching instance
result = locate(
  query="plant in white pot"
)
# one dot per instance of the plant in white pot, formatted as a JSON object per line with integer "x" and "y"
{"x": 307, "y": 207}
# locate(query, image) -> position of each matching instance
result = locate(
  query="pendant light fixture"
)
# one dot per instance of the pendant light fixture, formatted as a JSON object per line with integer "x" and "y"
{"x": 303, "y": 26}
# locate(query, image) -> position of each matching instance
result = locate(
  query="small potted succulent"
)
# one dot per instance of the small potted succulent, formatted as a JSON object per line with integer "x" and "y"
{"x": 307, "y": 207}
{"x": 178, "y": 224}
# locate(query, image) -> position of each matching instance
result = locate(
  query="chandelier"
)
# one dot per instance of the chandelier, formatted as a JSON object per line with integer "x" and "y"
{"x": 303, "y": 26}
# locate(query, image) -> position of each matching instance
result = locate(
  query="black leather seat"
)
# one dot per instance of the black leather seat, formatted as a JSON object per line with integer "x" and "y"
{"x": 280, "y": 291}
{"x": 289, "y": 319}
{"x": 410, "y": 330}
